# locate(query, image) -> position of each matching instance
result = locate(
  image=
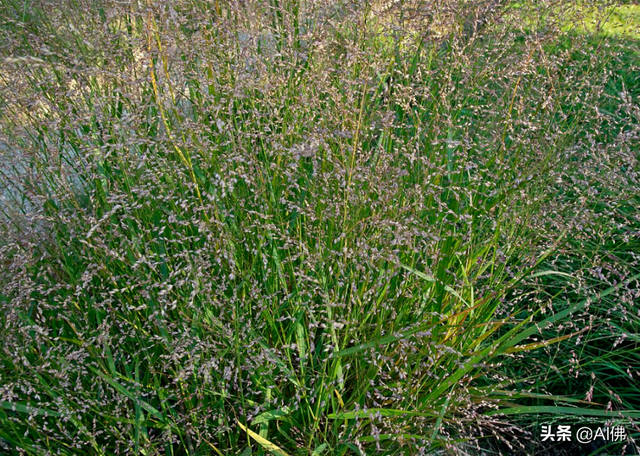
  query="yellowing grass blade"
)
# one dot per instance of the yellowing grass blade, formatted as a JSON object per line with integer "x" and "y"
{"x": 275, "y": 449}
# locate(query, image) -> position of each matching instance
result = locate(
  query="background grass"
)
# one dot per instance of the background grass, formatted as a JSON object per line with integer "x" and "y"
{"x": 297, "y": 227}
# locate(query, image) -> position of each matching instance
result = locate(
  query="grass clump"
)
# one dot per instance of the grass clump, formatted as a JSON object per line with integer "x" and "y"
{"x": 312, "y": 228}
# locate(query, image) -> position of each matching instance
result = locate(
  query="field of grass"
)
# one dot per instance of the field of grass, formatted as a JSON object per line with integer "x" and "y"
{"x": 301, "y": 227}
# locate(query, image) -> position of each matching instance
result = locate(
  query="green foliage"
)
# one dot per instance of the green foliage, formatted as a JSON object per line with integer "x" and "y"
{"x": 295, "y": 227}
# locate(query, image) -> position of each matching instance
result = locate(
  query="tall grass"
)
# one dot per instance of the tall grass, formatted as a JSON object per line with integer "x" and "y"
{"x": 297, "y": 227}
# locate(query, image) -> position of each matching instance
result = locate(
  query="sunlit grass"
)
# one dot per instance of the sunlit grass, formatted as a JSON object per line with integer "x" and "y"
{"x": 620, "y": 21}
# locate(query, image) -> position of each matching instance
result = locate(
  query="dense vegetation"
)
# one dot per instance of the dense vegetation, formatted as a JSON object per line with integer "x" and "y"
{"x": 317, "y": 227}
